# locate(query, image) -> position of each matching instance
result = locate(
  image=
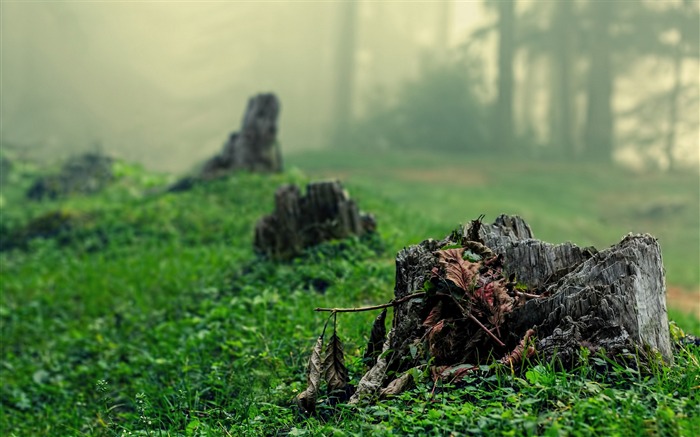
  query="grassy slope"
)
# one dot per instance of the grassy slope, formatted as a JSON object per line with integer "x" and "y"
{"x": 586, "y": 204}
{"x": 171, "y": 327}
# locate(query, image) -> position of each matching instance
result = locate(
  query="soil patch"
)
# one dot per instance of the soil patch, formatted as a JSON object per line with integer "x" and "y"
{"x": 684, "y": 300}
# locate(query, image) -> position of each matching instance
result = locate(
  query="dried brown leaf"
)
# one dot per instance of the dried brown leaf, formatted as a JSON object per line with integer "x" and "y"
{"x": 434, "y": 316}
{"x": 454, "y": 373}
{"x": 334, "y": 370}
{"x": 307, "y": 398}
{"x": 372, "y": 380}
{"x": 479, "y": 249}
{"x": 461, "y": 272}
{"x": 520, "y": 352}
{"x": 494, "y": 296}
{"x": 376, "y": 339}
{"x": 398, "y": 385}
{"x": 437, "y": 342}
{"x": 435, "y": 329}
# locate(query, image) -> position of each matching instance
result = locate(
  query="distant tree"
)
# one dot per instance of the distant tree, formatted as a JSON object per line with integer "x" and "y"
{"x": 344, "y": 86}
{"x": 503, "y": 122}
{"x": 444, "y": 25}
{"x": 670, "y": 140}
{"x": 563, "y": 69}
{"x": 609, "y": 38}
{"x": 599, "y": 124}
{"x": 438, "y": 110}
{"x": 686, "y": 45}
{"x": 665, "y": 36}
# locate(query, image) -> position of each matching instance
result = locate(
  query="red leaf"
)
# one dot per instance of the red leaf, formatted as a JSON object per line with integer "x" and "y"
{"x": 520, "y": 352}
{"x": 434, "y": 316}
{"x": 461, "y": 272}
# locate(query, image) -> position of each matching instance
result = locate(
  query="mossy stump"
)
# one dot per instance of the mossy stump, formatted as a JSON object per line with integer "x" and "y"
{"x": 253, "y": 148}
{"x": 519, "y": 300}
{"x": 324, "y": 213}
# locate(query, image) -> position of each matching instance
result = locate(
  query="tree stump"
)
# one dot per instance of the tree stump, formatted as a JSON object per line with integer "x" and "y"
{"x": 255, "y": 147}
{"x": 493, "y": 290}
{"x": 85, "y": 174}
{"x": 324, "y": 213}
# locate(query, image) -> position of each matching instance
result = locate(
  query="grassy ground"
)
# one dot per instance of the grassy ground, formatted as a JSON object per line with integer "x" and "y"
{"x": 587, "y": 204}
{"x": 149, "y": 314}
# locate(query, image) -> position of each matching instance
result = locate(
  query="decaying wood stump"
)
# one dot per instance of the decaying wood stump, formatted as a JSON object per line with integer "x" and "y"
{"x": 527, "y": 298}
{"x": 254, "y": 147}
{"x": 87, "y": 173}
{"x": 324, "y": 213}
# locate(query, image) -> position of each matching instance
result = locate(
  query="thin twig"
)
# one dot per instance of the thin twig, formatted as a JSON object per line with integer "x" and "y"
{"x": 490, "y": 334}
{"x": 474, "y": 319}
{"x": 527, "y": 295}
{"x": 373, "y": 307}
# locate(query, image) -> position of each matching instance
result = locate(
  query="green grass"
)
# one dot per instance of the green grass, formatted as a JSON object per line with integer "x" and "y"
{"x": 152, "y": 316}
{"x": 584, "y": 203}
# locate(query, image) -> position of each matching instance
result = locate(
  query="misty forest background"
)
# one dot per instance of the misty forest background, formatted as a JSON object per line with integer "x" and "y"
{"x": 134, "y": 308}
{"x": 612, "y": 81}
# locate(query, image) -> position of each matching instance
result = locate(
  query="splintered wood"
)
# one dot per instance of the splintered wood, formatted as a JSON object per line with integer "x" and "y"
{"x": 492, "y": 293}
{"x": 324, "y": 213}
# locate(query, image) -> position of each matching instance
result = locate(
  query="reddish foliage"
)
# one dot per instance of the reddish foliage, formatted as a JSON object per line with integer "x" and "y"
{"x": 460, "y": 271}
{"x": 434, "y": 316}
{"x": 520, "y": 352}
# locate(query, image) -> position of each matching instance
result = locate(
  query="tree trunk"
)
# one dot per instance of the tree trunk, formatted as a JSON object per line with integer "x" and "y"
{"x": 562, "y": 103}
{"x": 612, "y": 300}
{"x": 324, "y": 213}
{"x": 670, "y": 143}
{"x": 255, "y": 147}
{"x": 527, "y": 101}
{"x": 444, "y": 27}
{"x": 599, "y": 129}
{"x": 503, "y": 123}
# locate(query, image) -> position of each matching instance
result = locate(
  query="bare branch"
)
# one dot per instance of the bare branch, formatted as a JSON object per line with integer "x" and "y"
{"x": 373, "y": 307}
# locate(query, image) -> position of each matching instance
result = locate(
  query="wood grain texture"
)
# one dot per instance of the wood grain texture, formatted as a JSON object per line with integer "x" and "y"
{"x": 324, "y": 213}
{"x": 612, "y": 301}
{"x": 254, "y": 147}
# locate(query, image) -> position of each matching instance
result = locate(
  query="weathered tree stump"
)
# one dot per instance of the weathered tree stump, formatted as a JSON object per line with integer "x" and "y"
{"x": 85, "y": 174}
{"x": 325, "y": 213}
{"x": 255, "y": 147}
{"x": 556, "y": 300}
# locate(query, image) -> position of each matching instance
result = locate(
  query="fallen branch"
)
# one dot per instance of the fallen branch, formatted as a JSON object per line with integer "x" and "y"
{"x": 373, "y": 307}
{"x": 473, "y": 319}
{"x": 527, "y": 295}
{"x": 486, "y": 330}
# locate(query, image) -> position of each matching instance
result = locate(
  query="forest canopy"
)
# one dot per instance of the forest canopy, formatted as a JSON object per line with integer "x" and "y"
{"x": 595, "y": 81}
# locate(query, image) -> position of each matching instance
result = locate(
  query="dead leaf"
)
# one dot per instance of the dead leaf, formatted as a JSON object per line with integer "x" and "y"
{"x": 434, "y": 316}
{"x": 461, "y": 272}
{"x": 502, "y": 301}
{"x": 376, "y": 339}
{"x": 454, "y": 373}
{"x": 438, "y": 345}
{"x": 435, "y": 329}
{"x": 334, "y": 370}
{"x": 307, "y": 398}
{"x": 479, "y": 249}
{"x": 398, "y": 385}
{"x": 520, "y": 352}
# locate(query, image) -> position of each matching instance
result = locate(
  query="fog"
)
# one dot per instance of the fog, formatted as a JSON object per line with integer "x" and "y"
{"x": 164, "y": 83}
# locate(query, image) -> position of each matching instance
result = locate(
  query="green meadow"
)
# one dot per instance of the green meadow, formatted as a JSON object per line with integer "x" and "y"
{"x": 142, "y": 312}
